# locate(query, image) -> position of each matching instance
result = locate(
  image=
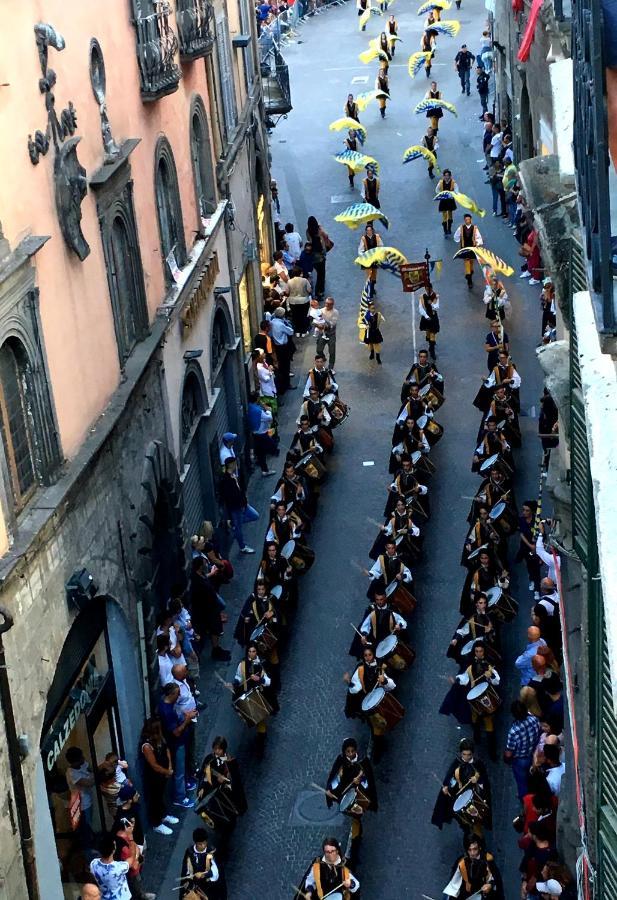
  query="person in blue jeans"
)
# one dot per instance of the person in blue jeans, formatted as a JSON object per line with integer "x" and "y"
{"x": 521, "y": 743}
{"x": 238, "y": 508}
{"x": 175, "y": 724}
{"x": 463, "y": 61}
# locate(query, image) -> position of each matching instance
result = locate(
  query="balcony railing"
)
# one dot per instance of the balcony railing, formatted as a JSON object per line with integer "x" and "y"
{"x": 591, "y": 156}
{"x": 274, "y": 76}
{"x": 195, "y": 20}
{"x": 157, "y": 46}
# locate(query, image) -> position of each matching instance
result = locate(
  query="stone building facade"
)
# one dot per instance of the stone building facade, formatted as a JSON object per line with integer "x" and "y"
{"x": 132, "y": 225}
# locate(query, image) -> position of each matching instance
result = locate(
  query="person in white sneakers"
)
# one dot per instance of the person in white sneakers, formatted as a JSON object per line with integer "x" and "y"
{"x": 157, "y": 770}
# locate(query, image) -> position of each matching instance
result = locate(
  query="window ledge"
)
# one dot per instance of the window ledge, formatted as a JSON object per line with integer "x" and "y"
{"x": 102, "y": 175}
{"x": 200, "y": 248}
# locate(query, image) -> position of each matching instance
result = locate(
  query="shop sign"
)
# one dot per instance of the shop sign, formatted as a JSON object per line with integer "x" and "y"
{"x": 414, "y": 276}
{"x": 201, "y": 295}
{"x": 80, "y": 700}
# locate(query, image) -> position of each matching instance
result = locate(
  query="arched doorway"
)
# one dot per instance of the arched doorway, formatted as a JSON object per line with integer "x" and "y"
{"x": 197, "y": 485}
{"x": 92, "y": 709}
{"x": 527, "y": 149}
{"x": 161, "y": 546}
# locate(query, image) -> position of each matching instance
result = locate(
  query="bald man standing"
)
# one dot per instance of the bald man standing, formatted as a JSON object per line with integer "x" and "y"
{"x": 523, "y": 662}
{"x": 90, "y": 892}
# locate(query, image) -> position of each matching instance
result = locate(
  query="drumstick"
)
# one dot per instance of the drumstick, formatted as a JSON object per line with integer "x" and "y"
{"x": 319, "y": 788}
{"x": 373, "y": 522}
{"x": 334, "y": 890}
{"x": 225, "y": 683}
{"x": 359, "y": 633}
{"x": 357, "y": 565}
{"x": 299, "y": 891}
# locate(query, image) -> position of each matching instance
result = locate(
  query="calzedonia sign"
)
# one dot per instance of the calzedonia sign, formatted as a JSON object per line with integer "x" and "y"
{"x": 80, "y": 699}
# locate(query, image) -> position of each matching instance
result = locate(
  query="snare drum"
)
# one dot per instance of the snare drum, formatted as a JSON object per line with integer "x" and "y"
{"x": 489, "y": 651}
{"x": 470, "y": 808}
{"x": 339, "y": 412}
{"x": 277, "y": 591}
{"x": 431, "y": 395}
{"x": 488, "y": 463}
{"x": 422, "y": 462}
{"x": 299, "y": 556}
{"x": 402, "y": 600}
{"x": 503, "y": 518}
{"x": 383, "y": 710}
{"x": 252, "y": 707}
{"x": 325, "y": 438}
{"x": 353, "y": 802}
{"x": 264, "y": 638}
{"x": 393, "y": 651}
{"x": 329, "y": 399}
{"x": 484, "y": 699}
{"x": 311, "y": 466}
{"x": 501, "y": 605}
{"x": 433, "y": 432}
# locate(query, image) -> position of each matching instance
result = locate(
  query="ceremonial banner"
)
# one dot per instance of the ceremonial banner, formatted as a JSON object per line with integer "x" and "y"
{"x": 414, "y": 276}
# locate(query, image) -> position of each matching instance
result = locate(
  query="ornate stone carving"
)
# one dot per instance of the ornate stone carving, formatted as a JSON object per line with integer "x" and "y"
{"x": 69, "y": 174}
{"x": 99, "y": 88}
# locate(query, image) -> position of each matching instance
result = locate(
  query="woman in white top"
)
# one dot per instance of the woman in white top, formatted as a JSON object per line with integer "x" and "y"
{"x": 298, "y": 301}
{"x": 264, "y": 376}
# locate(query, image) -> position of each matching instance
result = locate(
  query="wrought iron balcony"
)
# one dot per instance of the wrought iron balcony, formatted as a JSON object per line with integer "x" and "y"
{"x": 195, "y": 20}
{"x": 157, "y": 46}
{"x": 591, "y": 157}
{"x": 274, "y": 77}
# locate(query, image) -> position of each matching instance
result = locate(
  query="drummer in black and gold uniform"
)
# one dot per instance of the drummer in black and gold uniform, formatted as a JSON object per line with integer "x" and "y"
{"x": 399, "y": 525}
{"x": 199, "y": 870}
{"x": 465, "y": 771}
{"x": 389, "y": 567}
{"x": 350, "y": 772}
{"x": 251, "y": 674}
{"x": 407, "y": 438}
{"x": 493, "y": 489}
{"x": 283, "y": 528}
{"x": 219, "y": 776}
{"x": 261, "y": 608}
{"x": 477, "y": 672}
{"x": 378, "y": 622}
{"x": 367, "y": 676}
{"x": 491, "y": 441}
{"x": 475, "y": 873}
{"x": 320, "y": 377}
{"x": 423, "y": 372}
{"x": 328, "y": 872}
{"x": 305, "y": 439}
{"x": 447, "y": 205}
{"x": 274, "y": 568}
{"x": 468, "y": 235}
{"x": 483, "y": 534}
{"x": 292, "y": 488}
{"x": 407, "y": 487}
{"x": 487, "y": 574}
{"x": 479, "y": 626}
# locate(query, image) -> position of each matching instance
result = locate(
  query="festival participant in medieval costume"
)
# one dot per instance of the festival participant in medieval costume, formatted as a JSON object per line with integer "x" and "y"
{"x": 320, "y": 376}
{"x": 382, "y": 86}
{"x": 492, "y": 442}
{"x": 466, "y": 771}
{"x": 367, "y": 676}
{"x": 369, "y": 240}
{"x": 378, "y": 622}
{"x": 362, "y": 6}
{"x": 351, "y": 143}
{"x": 251, "y": 675}
{"x": 392, "y": 33}
{"x": 495, "y": 340}
{"x": 199, "y": 872}
{"x": 480, "y": 626}
{"x": 483, "y": 534}
{"x": 431, "y": 19}
{"x": 370, "y": 187}
{"x": 407, "y": 487}
{"x": 432, "y": 144}
{"x": 384, "y": 46}
{"x": 429, "y": 317}
{"x": 412, "y": 403}
{"x": 274, "y": 568}
{"x": 373, "y": 337}
{"x": 479, "y": 672}
{"x": 501, "y": 410}
{"x": 427, "y": 45}
{"x": 389, "y": 566}
{"x": 220, "y": 794}
{"x": 434, "y": 113}
{"x": 401, "y": 528}
{"x": 468, "y": 235}
{"x": 291, "y": 488}
{"x": 506, "y": 375}
{"x": 329, "y": 872}
{"x": 447, "y": 205}
{"x": 495, "y": 299}
{"x": 351, "y": 109}
{"x": 408, "y": 437}
{"x": 475, "y": 874}
{"x": 351, "y": 776}
{"x": 423, "y": 372}
{"x": 495, "y": 488}
{"x": 487, "y": 573}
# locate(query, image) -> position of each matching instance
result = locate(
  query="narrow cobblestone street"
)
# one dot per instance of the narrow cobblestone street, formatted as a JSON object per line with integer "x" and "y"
{"x": 403, "y": 854}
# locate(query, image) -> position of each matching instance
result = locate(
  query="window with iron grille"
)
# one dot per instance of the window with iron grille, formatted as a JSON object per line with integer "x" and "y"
{"x": 18, "y": 438}
{"x": 226, "y": 78}
{"x": 168, "y": 207}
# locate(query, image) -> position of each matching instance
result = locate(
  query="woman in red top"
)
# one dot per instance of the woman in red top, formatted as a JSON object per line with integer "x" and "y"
{"x": 128, "y": 851}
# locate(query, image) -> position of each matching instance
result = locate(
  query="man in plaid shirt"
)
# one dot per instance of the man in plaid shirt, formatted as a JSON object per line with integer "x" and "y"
{"x": 523, "y": 738}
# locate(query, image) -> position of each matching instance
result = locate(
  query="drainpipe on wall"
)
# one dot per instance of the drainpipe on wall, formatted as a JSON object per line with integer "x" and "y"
{"x": 17, "y": 777}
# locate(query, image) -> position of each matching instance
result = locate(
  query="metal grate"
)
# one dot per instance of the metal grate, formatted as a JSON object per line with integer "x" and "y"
{"x": 608, "y": 744}
{"x": 582, "y": 495}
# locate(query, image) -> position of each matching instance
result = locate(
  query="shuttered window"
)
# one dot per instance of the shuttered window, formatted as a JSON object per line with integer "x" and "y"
{"x": 226, "y": 77}
{"x": 608, "y": 778}
{"x": 582, "y": 493}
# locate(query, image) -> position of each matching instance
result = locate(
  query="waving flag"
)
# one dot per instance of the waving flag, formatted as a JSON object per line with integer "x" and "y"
{"x": 450, "y": 27}
{"x": 349, "y": 125}
{"x": 490, "y": 259}
{"x": 417, "y": 152}
{"x": 357, "y": 161}
{"x": 366, "y": 15}
{"x": 359, "y": 213}
{"x": 388, "y": 258}
{"x": 372, "y": 53}
{"x": 417, "y": 61}
{"x": 364, "y": 99}
{"x": 462, "y": 200}
{"x": 430, "y": 103}
{"x": 434, "y": 4}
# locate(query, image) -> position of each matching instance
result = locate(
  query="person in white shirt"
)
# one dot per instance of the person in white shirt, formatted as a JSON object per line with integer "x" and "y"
{"x": 556, "y": 768}
{"x": 552, "y": 563}
{"x": 79, "y": 777}
{"x": 186, "y": 701}
{"x": 265, "y": 377}
{"x": 111, "y": 875}
{"x": 294, "y": 241}
{"x": 165, "y": 661}
{"x": 227, "y": 450}
{"x": 496, "y": 142}
{"x": 327, "y": 338}
{"x": 279, "y": 266}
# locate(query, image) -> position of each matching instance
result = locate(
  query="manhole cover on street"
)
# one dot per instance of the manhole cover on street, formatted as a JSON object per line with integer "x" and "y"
{"x": 310, "y": 809}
